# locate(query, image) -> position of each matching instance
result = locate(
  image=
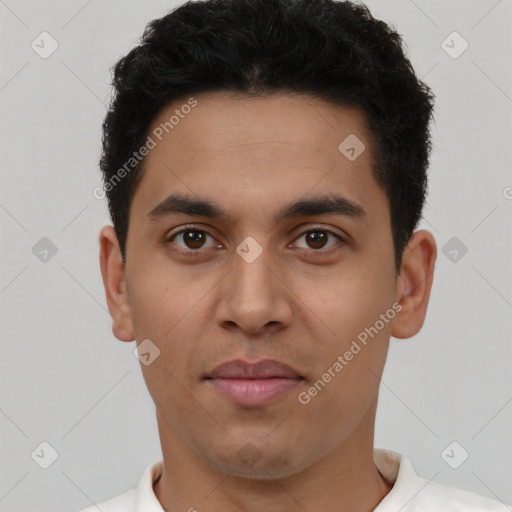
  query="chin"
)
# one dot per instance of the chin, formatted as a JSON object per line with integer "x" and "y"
{"x": 251, "y": 462}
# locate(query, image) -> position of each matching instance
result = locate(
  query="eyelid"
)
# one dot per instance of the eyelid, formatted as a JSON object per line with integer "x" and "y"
{"x": 192, "y": 227}
{"x": 318, "y": 227}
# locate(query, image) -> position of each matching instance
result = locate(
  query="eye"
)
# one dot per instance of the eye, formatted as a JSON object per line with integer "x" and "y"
{"x": 318, "y": 238}
{"x": 192, "y": 240}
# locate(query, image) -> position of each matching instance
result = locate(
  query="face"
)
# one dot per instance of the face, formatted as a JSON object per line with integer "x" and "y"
{"x": 280, "y": 248}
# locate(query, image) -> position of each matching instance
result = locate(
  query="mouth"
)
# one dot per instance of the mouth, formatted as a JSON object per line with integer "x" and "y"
{"x": 253, "y": 384}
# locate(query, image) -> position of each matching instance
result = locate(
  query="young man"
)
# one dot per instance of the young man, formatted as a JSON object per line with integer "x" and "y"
{"x": 265, "y": 166}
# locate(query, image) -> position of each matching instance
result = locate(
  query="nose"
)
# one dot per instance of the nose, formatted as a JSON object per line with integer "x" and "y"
{"x": 254, "y": 297}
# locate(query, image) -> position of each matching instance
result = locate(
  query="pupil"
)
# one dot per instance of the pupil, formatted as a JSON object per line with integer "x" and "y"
{"x": 195, "y": 238}
{"x": 317, "y": 237}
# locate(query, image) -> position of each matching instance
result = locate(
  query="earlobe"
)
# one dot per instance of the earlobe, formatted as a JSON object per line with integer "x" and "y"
{"x": 414, "y": 284}
{"x": 114, "y": 282}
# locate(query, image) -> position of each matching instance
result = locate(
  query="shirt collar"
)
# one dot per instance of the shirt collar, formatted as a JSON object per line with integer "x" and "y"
{"x": 398, "y": 471}
{"x": 145, "y": 498}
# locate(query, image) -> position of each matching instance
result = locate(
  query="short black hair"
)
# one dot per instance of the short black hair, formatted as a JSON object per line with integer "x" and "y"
{"x": 331, "y": 50}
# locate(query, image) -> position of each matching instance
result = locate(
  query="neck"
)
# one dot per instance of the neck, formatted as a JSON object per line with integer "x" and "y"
{"x": 346, "y": 478}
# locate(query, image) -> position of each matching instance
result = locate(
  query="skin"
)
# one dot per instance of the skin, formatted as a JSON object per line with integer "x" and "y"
{"x": 252, "y": 156}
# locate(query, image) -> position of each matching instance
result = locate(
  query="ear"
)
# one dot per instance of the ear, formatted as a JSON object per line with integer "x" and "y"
{"x": 414, "y": 284}
{"x": 113, "y": 274}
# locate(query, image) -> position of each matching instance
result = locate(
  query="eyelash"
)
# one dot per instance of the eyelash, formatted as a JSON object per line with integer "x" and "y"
{"x": 195, "y": 253}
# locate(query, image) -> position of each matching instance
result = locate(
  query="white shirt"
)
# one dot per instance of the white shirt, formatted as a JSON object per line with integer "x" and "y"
{"x": 410, "y": 492}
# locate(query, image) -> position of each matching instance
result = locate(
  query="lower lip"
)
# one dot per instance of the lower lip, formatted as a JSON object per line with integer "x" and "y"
{"x": 254, "y": 392}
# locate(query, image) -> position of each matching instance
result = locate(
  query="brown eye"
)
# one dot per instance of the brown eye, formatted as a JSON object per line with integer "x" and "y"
{"x": 190, "y": 240}
{"x": 316, "y": 239}
{"x": 193, "y": 239}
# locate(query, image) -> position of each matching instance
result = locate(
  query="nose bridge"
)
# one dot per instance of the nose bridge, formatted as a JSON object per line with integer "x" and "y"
{"x": 252, "y": 295}
{"x": 252, "y": 276}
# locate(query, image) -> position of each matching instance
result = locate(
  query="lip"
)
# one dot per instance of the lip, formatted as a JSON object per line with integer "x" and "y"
{"x": 253, "y": 384}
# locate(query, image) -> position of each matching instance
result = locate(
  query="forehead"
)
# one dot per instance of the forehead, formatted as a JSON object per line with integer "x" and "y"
{"x": 245, "y": 152}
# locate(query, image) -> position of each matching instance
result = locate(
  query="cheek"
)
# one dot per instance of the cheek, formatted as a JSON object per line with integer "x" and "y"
{"x": 352, "y": 328}
{"x": 163, "y": 312}
{"x": 347, "y": 306}
{"x": 160, "y": 300}
{"x": 169, "y": 309}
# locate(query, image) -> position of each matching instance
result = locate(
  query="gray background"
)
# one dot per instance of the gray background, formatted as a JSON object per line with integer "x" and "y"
{"x": 66, "y": 380}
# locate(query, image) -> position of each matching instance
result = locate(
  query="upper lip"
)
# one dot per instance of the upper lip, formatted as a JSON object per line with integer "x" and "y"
{"x": 265, "y": 369}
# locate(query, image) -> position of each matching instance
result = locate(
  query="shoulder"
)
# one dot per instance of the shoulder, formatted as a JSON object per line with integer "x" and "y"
{"x": 413, "y": 493}
{"x": 137, "y": 499}
{"x": 438, "y": 497}
{"x": 122, "y": 503}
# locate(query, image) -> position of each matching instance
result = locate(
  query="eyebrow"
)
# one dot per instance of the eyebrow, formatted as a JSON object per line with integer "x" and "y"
{"x": 177, "y": 204}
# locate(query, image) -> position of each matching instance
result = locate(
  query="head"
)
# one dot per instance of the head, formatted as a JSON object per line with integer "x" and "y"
{"x": 299, "y": 129}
